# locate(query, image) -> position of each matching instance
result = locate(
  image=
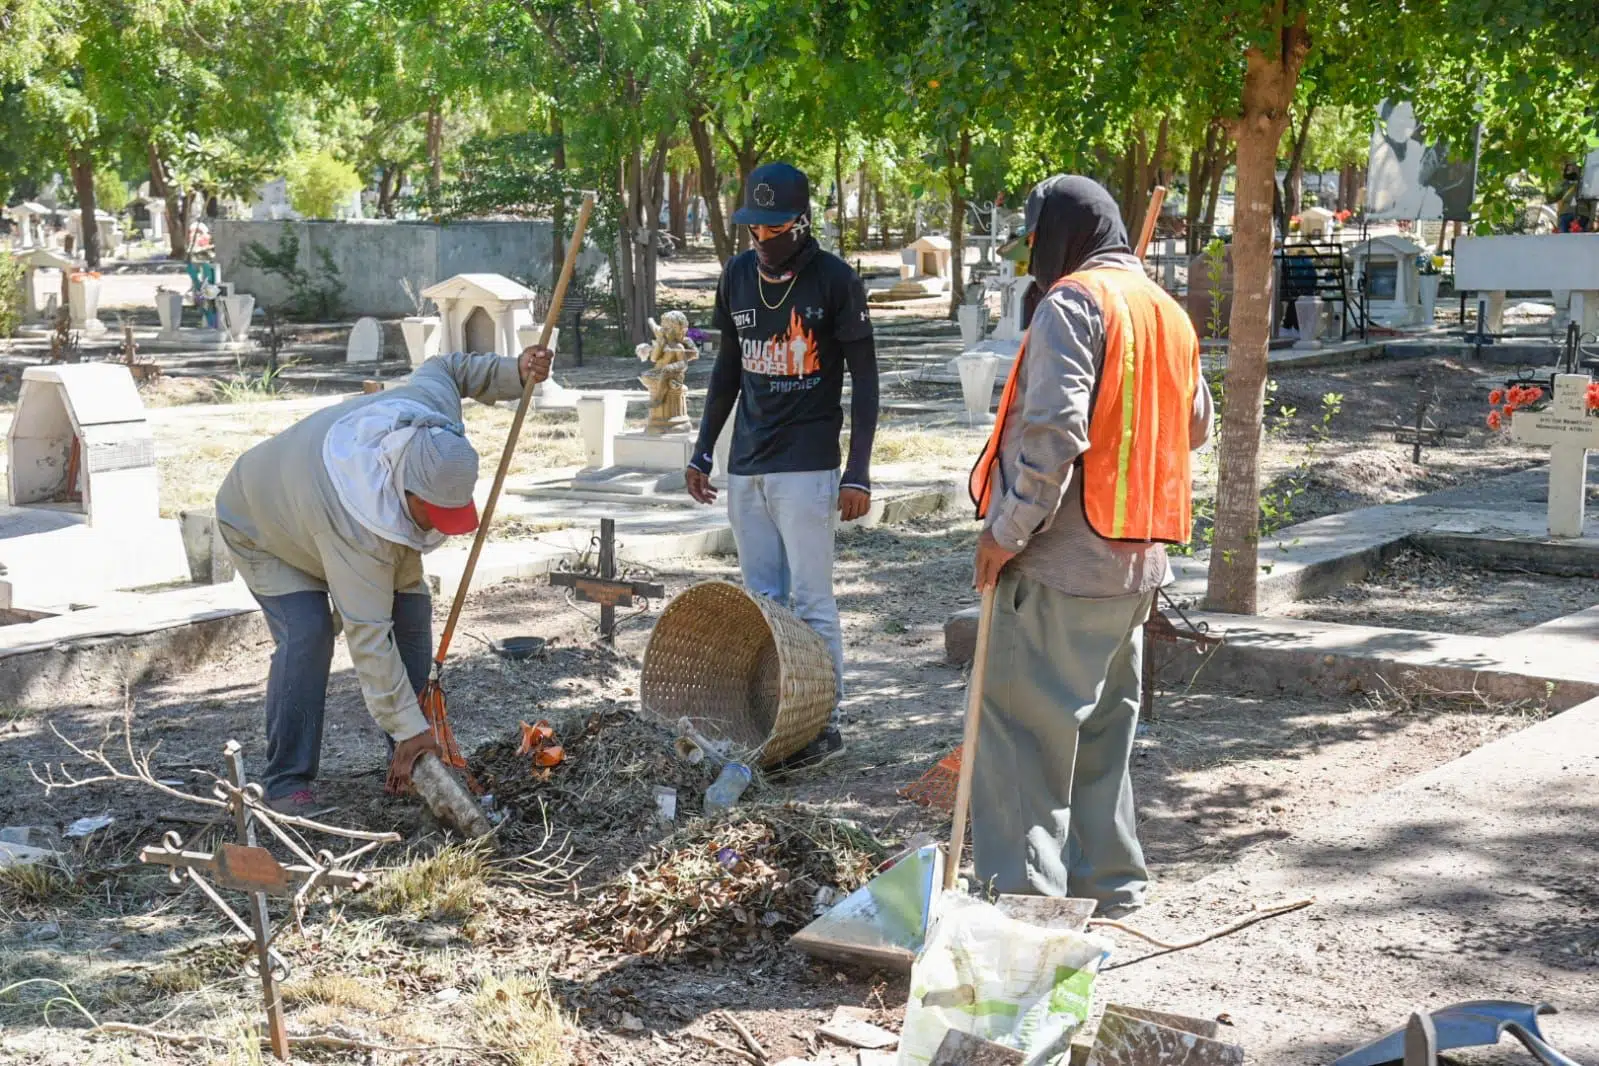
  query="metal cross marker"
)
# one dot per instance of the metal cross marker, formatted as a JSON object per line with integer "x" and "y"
{"x": 605, "y": 588}
{"x": 246, "y": 867}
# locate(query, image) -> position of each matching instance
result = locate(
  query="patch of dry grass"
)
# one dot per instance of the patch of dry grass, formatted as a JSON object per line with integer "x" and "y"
{"x": 338, "y": 990}
{"x": 895, "y": 444}
{"x": 549, "y": 439}
{"x": 445, "y": 885}
{"x": 517, "y": 1016}
{"x": 37, "y": 884}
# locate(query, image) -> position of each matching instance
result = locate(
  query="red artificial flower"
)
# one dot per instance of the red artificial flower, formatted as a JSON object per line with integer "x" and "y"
{"x": 1593, "y": 396}
{"x": 1494, "y": 420}
{"x": 1534, "y": 394}
{"x": 1496, "y": 397}
{"x": 1515, "y": 394}
{"x": 1510, "y": 409}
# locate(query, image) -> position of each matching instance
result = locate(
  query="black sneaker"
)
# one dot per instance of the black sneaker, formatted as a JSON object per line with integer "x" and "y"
{"x": 825, "y": 747}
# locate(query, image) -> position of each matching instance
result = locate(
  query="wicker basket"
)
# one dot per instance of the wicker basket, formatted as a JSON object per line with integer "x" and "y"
{"x": 741, "y": 668}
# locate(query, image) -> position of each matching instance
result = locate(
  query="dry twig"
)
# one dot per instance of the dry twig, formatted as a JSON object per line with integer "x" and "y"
{"x": 321, "y": 1040}
{"x": 1215, "y": 934}
{"x": 736, "y": 1052}
{"x": 743, "y": 1034}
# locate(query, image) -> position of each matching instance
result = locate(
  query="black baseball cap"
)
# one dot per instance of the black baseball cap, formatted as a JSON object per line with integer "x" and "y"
{"x": 776, "y": 193}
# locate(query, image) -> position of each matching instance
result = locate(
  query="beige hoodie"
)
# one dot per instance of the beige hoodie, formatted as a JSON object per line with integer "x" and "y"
{"x": 286, "y": 529}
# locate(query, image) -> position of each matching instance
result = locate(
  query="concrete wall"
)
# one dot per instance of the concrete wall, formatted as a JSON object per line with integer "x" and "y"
{"x": 373, "y": 257}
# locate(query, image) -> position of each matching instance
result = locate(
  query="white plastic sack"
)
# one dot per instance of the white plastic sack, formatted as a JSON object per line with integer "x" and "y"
{"x": 1007, "y": 981}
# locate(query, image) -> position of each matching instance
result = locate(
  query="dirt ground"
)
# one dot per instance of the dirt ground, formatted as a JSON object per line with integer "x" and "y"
{"x": 503, "y": 953}
{"x": 1416, "y": 590}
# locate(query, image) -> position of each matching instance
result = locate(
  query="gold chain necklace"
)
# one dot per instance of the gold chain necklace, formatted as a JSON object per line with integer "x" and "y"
{"x": 760, "y": 286}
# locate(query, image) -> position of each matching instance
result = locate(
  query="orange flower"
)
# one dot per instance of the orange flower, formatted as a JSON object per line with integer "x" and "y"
{"x": 1496, "y": 397}
{"x": 1510, "y": 409}
{"x": 1593, "y": 396}
{"x": 1515, "y": 394}
{"x": 1534, "y": 394}
{"x": 1493, "y": 420}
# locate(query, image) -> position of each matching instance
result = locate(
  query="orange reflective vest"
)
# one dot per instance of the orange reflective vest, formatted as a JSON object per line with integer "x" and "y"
{"x": 1137, "y": 472}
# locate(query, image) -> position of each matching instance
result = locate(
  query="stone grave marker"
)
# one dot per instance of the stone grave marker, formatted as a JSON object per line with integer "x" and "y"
{"x": 366, "y": 342}
{"x": 1570, "y": 430}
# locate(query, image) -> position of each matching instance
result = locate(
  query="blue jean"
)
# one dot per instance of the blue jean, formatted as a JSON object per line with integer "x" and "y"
{"x": 297, "y": 686}
{"x": 783, "y": 526}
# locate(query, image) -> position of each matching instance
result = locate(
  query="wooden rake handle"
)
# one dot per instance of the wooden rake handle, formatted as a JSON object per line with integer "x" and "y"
{"x": 574, "y": 246}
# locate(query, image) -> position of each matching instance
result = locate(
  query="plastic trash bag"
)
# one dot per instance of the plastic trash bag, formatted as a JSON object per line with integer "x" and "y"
{"x": 1000, "y": 979}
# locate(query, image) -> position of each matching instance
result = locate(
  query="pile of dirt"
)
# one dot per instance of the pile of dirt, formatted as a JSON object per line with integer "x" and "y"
{"x": 731, "y": 889}
{"x": 602, "y": 796}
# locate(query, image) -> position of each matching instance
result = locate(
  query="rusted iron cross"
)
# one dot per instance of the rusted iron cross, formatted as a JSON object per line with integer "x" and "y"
{"x": 249, "y": 868}
{"x": 605, "y": 588}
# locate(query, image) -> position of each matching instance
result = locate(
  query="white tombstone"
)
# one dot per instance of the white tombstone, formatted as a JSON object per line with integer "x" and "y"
{"x": 1315, "y": 223}
{"x": 22, "y": 220}
{"x": 1309, "y": 309}
{"x": 1386, "y": 270}
{"x": 924, "y": 268}
{"x": 80, "y": 431}
{"x": 234, "y": 311}
{"x": 973, "y": 322}
{"x": 169, "y": 308}
{"x": 1013, "y": 308}
{"x": 978, "y": 371}
{"x": 422, "y": 336}
{"x": 44, "y": 270}
{"x": 1550, "y": 262}
{"x": 601, "y": 417}
{"x": 366, "y": 342}
{"x": 83, "y": 297}
{"x": 482, "y": 312}
{"x": 158, "y": 220}
{"x": 548, "y": 394}
{"x": 1571, "y": 431}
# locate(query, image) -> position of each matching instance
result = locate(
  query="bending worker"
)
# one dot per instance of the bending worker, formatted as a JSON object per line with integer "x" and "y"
{"x": 327, "y": 522}
{"x": 1086, "y": 477}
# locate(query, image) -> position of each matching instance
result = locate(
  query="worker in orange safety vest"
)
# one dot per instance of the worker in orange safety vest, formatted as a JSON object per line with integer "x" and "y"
{"x": 1085, "y": 479}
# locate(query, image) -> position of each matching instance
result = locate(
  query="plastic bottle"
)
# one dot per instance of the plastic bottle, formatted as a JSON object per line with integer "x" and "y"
{"x": 727, "y": 788}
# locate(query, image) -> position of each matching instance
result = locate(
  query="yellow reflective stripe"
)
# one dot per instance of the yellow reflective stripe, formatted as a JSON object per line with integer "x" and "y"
{"x": 1124, "y": 451}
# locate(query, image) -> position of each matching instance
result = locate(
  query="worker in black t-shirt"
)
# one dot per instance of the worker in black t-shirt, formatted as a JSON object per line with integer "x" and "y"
{"x": 792, "y": 318}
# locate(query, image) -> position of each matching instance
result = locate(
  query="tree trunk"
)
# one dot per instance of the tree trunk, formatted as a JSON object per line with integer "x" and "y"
{"x": 1128, "y": 179}
{"x": 1218, "y": 172}
{"x": 627, "y": 248}
{"x": 81, "y": 163}
{"x": 957, "y": 224}
{"x": 710, "y": 186}
{"x": 749, "y": 157}
{"x": 882, "y": 217}
{"x": 1294, "y": 183}
{"x": 677, "y": 205}
{"x": 654, "y": 192}
{"x": 863, "y": 218}
{"x": 558, "y": 237}
{"x": 161, "y": 185}
{"x": 1194, "y": 206}
{"x": 1268, "y": 92}
{"x": 435, "y": 152}
{"x": 841, "y": 217}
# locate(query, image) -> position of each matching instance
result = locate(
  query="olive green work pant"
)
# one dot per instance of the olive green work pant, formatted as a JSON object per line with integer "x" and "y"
{"x": 1052, "y": 801}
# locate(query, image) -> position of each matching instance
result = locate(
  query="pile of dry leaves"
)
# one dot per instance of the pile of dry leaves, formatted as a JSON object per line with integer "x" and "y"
{"x": 601, "y": 796}
{"x": 727, "y": 888}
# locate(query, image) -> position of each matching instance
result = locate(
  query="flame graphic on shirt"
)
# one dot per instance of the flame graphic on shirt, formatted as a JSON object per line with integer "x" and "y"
{"x": 792, "y": 354}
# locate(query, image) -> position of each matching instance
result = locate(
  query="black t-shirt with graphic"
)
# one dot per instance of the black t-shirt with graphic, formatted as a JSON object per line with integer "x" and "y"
{"x": 792, "y": 338}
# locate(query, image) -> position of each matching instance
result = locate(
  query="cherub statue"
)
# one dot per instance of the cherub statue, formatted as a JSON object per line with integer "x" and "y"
{"x": 669, "y": 357}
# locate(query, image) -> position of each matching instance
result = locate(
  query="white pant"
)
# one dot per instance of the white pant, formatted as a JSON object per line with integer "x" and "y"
{"x": 783, "y": 525}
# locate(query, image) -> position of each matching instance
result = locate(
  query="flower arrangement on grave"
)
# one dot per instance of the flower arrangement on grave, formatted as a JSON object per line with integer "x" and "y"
{"x": 1502, "y": 403}
{"x": 206, "y": 295}
{"x": 669, "y": 356}
{"x": 1432, "y": 264}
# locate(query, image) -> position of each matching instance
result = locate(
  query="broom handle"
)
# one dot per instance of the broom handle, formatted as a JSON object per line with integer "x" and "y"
{"x": 974, "y": 689}
{"x": 974, "y": 717}
{"x": 556, "y": 299}
{"x": 1156, "y": 199}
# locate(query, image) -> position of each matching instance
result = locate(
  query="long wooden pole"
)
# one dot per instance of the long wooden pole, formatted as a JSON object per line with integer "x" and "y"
{"x": 556, "y": 299}
{"x": 985, "y": 619}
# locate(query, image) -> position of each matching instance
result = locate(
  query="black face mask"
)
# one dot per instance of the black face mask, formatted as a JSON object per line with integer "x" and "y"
{"x": 780, "y": 254}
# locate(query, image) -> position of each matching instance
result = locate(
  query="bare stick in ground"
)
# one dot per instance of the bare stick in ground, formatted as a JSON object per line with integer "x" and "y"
{"x": 743, "y": 1034}
{"x": 1166, "y": 946}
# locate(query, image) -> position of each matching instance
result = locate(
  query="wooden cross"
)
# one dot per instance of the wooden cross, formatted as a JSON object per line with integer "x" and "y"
{"x": 605, "y": 588}
{"x": 1570, "y": 430}
{"x": 251, "y": 869}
